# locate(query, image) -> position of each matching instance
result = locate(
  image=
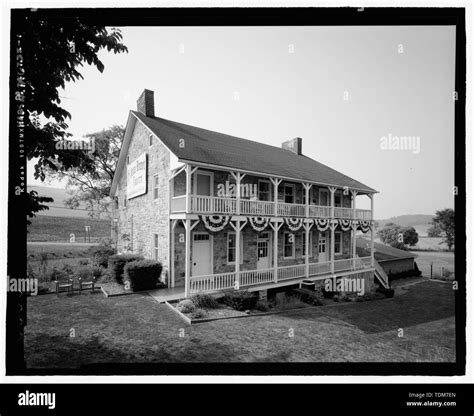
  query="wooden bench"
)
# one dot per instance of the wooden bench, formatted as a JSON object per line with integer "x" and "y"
{"x": 89, "y": 284}
{"x": 64, "y": 286}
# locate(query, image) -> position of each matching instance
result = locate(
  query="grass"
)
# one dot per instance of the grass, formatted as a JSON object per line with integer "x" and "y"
{"x": 49, "y": 228}
{"x": 438, "y": 259}
{"x": 429, "y": 244}
{"x": 137, "y": 329}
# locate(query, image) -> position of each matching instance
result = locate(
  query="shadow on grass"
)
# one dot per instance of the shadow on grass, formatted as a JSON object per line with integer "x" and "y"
{"x": 422, "y": 303}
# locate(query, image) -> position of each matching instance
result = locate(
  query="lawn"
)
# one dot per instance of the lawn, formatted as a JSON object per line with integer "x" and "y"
{"x": 438, "y": 259}
{"x": 136, "y": 328}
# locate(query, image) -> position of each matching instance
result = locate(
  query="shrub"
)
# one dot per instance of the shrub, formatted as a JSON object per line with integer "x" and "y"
{"x": 186, "y": 306}
{"x": 198, "y": 313}
{"x": 240, "y": 300}
{"x": 308, "y": 296}
{"x": 262, "y": 306}
{"x": 205, "y": 301}
{"x": 67, "y": 268}
{"x": 415, "y": 272}
{"x": 142, "y": 274}
{"x": 56, "y": 274}
{"x": 83, "y": 262}
{"x": 117, "y": 263}
{"x": 100, "y": 254}
{"x": 84, "y": 273}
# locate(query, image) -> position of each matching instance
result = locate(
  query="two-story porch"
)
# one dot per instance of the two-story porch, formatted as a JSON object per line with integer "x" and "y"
{"x": 232, "y": 229}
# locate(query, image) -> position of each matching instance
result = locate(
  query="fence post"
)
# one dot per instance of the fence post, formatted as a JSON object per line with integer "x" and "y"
{"x": 431, "y": 271}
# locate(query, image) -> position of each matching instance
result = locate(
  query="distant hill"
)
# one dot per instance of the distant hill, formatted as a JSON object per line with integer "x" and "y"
{"x": 57, "y": 208}
{"x": 421, "y": 222}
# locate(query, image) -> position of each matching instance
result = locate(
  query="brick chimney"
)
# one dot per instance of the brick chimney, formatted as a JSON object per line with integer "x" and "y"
{"x": 146, "y": 103}
{"x": 294, "y": 145}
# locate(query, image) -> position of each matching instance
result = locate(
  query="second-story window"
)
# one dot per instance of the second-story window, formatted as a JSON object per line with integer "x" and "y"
{"x": 155, "y": 187}
{"x": 151, "y": 139}
{"x": 263, "y": 190}
{"x": 338, "y": 199}
{"x": 289, "y": 193}
{"x": 125, "y": 200}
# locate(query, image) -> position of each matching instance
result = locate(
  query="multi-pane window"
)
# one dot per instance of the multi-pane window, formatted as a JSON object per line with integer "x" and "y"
{"x": 338, "y": 199}
{"x": 337, "y": 242}
{"x": 155, "y": 246}
{"x": 310, "y": 244}
{"x": 289, "y": 192}
{"x": 155, "y": 187}
{"x": 264, "y": 191}
{"x": 288, "y": 245}
{"x": 231, "y": 243}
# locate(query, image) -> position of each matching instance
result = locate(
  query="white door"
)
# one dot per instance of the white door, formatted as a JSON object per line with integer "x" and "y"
{"x": 263, "y": 251}
{"x": 201, "y": 262}
{"x": 322, "y": 248}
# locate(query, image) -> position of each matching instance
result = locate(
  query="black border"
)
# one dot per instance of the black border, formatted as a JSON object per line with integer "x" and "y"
{"x": 16, "y": 304}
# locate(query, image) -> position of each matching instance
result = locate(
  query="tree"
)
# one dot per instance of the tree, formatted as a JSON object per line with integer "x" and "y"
{"x": 445, "y": 220}
{"x": 410, "y": 236}
{"x": 435, "y": 230}
{"x": 53, "y": 52}
{"x": 396, "y": 236}
{"x": 389, "y": 234}
{"x": 92, "y": 186}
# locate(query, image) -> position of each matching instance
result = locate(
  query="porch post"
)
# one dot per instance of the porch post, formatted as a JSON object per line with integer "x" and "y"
{"x": 238, "y": 227}
{"x": 172, "y": 253}
{"x": 187, "y": 261}
{"x": 275, "y": 182}
{"x": 307, "y": 228}
{"x": 275, "y": 226}
{"x": 372, "y": 262}
{"x": 238, "y": 180}
{"x": 307, "y": 188}
{"x": 354, "y": 241}
{"x": 332, "y": 190}
{"x": 188, "y": 188}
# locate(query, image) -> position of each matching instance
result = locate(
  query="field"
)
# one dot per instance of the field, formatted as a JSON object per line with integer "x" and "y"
{"x": 430, "y": 244}
{"x": 48, "y": 228}
{"x": 438, "y": 259}
{"x": 136, "y": 329}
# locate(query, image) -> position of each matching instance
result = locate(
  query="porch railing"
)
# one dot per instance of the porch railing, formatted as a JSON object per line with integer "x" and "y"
{"x": 201, "y": 204}
{"x": 249, "y": 278}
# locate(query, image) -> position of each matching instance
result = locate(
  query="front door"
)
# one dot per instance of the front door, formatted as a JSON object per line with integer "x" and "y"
{"x": 201, "y": 258}
{"x": 322, "y": 248}
{"x": 263, "y": 251}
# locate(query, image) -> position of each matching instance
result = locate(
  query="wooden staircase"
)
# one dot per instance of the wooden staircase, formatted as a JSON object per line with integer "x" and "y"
{"x": 381, "y": 275}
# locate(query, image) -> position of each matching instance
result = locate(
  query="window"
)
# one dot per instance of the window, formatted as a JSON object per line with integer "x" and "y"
{"x": 310, "y": 244}
{"x": 263, "y": 190}
{"x": 288, "y": 245}
{"x": 289, "y": 193}
{"x": 125, "y": 200}
{"x": 128, "y": 160}
{"x": 337, "y": 242}
{"x": 151, "y": 139}
{"x": 155, "y": 246}
{"x": 337, "y": 199}
{"x": 116, "y": 202}
{"x": 155, "y": 187}
{"x": 231, "y": 242}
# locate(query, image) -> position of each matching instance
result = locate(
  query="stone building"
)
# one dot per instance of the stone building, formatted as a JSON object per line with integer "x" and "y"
{"x": 221, "y": 212}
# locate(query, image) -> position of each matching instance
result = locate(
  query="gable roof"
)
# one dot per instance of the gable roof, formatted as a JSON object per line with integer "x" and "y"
{"x": 382, "y": 251}
{"x": 222, "y": 150}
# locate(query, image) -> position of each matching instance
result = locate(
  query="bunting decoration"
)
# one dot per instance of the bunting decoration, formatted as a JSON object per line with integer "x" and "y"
{"x": 322, "y": 224}
{"x": 259, "y": 223}
{"x": 294, "y": 224}
{"x": 365, "y": 226}
{"x": 345, "y": 224}
{"x": 215, "y": 223}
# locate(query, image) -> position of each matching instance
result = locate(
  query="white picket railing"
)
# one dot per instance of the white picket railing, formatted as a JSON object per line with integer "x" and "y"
{"x": 363, "y": 214}
{"x": 213, "y": 205}
{"x": 291, "y": 210}
{"x": 291, "y": 272}
{"x": 319, "y": 211}
{"x": 248, "y": 278}
{"x": 253, "y": 207}
{"x": 256, "y": 277}
{"x": 343, "y": 213}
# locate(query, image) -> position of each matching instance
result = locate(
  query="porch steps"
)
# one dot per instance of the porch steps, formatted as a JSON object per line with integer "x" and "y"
{"x": 381, "y": 275}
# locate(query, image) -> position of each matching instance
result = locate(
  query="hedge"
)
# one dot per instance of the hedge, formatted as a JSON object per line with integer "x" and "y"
{"x": 117, "y": 263}
{"x": 142, "y": 274}
{"x": 241, "y": 300}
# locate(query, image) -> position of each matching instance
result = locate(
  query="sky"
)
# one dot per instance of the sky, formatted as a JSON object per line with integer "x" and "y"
{"x": 344, "y": 90}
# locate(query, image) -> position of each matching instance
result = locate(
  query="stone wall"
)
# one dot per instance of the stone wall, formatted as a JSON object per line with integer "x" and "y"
{"x": 142, "y": 216}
